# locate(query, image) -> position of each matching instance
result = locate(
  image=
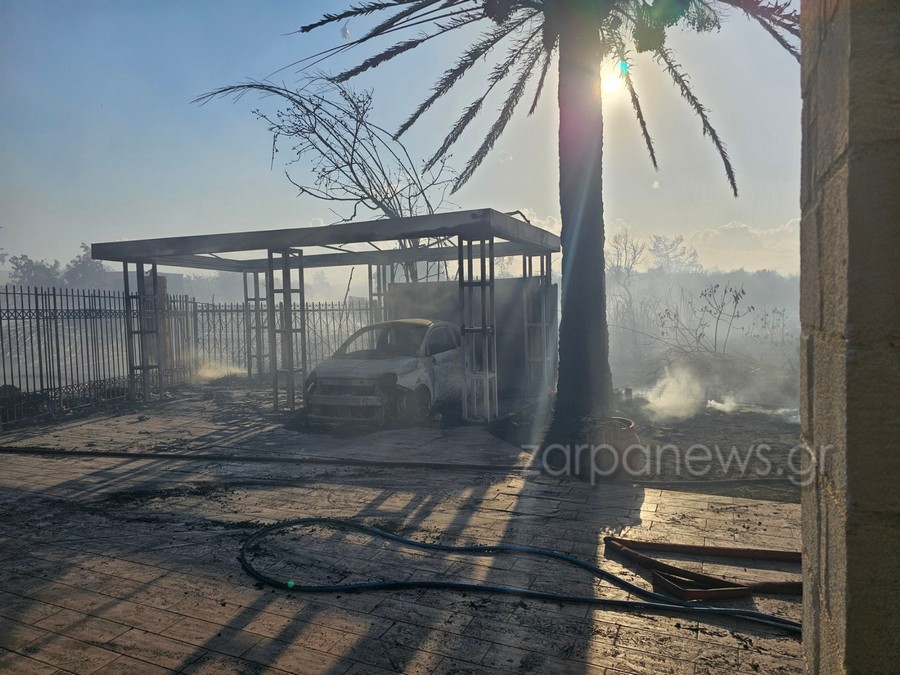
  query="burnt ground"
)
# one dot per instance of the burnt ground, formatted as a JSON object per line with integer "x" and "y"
{"x": 751, "y": 453}
{"x": 119, "y": 534}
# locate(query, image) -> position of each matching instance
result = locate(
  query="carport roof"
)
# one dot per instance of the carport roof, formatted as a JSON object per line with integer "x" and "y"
{"x": 515, "y": 237}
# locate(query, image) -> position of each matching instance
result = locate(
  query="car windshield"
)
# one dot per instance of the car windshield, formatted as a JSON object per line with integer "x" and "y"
{"x": 387, "y": 341}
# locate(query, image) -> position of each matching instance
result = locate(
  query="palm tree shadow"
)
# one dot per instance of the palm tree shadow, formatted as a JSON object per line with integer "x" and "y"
{"x": 474, "y": 630}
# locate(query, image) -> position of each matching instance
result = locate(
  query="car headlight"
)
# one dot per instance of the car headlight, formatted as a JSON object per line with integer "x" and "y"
{"x": 387, "y": 380}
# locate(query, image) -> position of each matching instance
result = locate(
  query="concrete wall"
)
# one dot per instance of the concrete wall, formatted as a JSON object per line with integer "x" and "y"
{"x": 850, "y": 314}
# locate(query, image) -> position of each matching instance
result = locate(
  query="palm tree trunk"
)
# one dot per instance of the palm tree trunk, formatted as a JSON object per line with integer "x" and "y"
{"x": 585, "y": 381}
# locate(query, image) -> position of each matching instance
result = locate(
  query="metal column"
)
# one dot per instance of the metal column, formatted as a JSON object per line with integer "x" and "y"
{"x": 377, "y": 293}
{"x": 255, "y": 324}
{"x": 283, "y": 332}
{"x": 477, "y": 320}
{"x": 540, "y": 350}
{"x": 143, "y": 319}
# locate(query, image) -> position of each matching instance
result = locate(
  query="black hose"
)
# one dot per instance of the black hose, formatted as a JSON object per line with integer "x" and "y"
{"x": 655, "y": 603}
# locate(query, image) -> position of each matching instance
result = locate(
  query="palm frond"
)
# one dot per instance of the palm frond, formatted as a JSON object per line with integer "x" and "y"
{"x": 469, "y": 58}
{"x": 498, "y": 74}
{"x": 526, "y": 70}
{"x": 362, "y": 9}
{"x": 401, "y": 48}
{"x": 314, "y": 59}
{"x": 398, "y": 19}
{"x": 680, "y": 79}
{"x": 779, "y": 14}
{"x": 639, "y": 112}
{"x": 545, "y": 66}
{"x": 779, "y": 38}
{"x": 773, "y": 17}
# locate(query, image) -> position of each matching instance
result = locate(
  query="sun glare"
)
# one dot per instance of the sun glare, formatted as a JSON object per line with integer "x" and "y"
{"x": 611, "y": 83}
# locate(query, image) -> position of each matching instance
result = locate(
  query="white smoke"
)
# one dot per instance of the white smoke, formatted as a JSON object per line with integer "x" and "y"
{"x": 678, "y": 395}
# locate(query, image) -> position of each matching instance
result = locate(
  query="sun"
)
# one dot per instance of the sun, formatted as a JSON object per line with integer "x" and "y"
{"x": 611, "y": 83}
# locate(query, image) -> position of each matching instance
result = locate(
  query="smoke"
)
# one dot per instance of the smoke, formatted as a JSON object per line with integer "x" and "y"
{"x": 681, "y": 393}
{"x": 678, "y": 395}
{"x": 213, "y": 371}
{"x": 729, "y": 405}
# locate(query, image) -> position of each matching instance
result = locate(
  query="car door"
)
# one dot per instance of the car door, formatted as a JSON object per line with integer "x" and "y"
{"x": 443, "y": 359}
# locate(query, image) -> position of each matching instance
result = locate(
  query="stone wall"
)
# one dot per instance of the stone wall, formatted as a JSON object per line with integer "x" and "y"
{"x": 850, "y": 314}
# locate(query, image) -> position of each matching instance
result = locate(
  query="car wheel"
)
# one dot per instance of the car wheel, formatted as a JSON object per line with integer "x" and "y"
{"x": 416, "y": 406}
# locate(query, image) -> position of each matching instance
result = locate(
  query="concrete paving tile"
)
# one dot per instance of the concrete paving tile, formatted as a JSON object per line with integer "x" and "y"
{"x": 296, "y": 658}
{"x": 553, "y": 643}
{"x": 604, "y": 655}
{"x": 420, "y": 615}
{"x": 437, "y": 641}
{"x": 365, "y": 669}
{"x": 752, "y": 662}
{"x": 125, "y": 665}
{"x": 677, "y": 647}
{"x": 12, "y": 663}
{"x": 14, "y": 635}
{"x": 507, "y": 659}
{"x": 449, "y": 666}
{"x": 155, "y": 649}
{"x": 387, "y": 655}
{"x": 68, "y": 654}
{"x": 82, "y": 626}
{"x": 176, "y": 557}
{"x": 312, "y": 635}
{"x": 212, "y": 636}
{"x": 220, "y": 664}
{"x": 25, "y": 610}
{"x": 137, "y": 616}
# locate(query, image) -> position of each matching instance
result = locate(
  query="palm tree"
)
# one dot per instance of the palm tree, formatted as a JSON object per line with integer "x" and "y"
{"x": 583, "y": 33}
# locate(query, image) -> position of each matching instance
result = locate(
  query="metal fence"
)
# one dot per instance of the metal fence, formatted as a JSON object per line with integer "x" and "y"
{"x": 60, "y": 348}
{"x": 329, "y": 324}
{"x": 221, "y": 332}
{"x": 64, "y": 348}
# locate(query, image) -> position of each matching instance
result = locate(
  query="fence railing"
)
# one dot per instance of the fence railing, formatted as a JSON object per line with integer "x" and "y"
{"x": 64, "y": 348}
{"x": 221, "y": 332}
{"x": 60, "y": 348}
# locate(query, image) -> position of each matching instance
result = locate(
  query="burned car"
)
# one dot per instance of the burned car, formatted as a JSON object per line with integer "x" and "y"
{"x": 395, "y": 371}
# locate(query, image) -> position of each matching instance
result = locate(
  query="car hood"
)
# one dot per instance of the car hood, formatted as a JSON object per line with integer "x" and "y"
{"x": 340, "y": 368}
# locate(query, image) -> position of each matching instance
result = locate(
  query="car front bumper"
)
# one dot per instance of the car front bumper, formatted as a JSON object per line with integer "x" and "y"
{"x": 346, "y": 408}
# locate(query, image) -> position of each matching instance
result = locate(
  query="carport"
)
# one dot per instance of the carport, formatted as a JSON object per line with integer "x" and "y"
{"x": 273, "y": 264}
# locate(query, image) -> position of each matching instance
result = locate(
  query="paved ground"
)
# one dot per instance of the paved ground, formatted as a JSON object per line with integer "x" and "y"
{"x": 125, "y": 560}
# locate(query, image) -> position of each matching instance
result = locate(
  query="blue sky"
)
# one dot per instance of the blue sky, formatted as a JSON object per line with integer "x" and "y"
{"x": 99, "y": 140}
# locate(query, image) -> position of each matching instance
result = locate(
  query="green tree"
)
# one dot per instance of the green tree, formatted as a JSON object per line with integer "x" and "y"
{"x": 582, "y": 33}
{"x": 30, "y": 272}
{"x": 85, "y": 272}
{"x": 672, "y": 256}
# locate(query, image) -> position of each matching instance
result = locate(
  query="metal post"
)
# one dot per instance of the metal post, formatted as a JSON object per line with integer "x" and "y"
{"x": 142, "y": 330}
{"x": 301, "y": 292}
{"x": 195, "y": 338}
{"x": 248, "y": 328}
{"x": 129, "y": 332}
{"x": 495, "y": 394}
{"x": 258, "y": 319}
{"x": 273, "y": 354}
{"x": 287, "y": 332}
{"x": 160, "y": 328}
{"x": 467, "y": 365}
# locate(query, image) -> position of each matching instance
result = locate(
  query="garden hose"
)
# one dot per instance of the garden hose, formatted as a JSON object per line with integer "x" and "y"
{"x": 654, "y": 603}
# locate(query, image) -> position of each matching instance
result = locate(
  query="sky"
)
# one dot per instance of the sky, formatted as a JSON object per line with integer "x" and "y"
{"x": 100, "y": 140}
